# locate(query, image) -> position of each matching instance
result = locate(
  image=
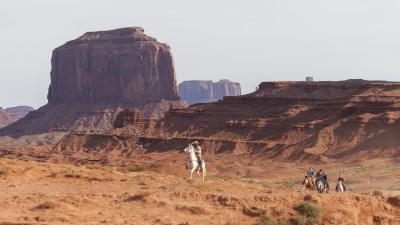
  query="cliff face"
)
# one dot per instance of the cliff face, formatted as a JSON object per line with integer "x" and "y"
{"x": 207, "y": 91}
{"x": 6, "y": 118}
{"x": 99, "y": 74}
{"x": 119, "y": 65}
{"x": 19, "y": 111}
{"x": 350, "y": 120}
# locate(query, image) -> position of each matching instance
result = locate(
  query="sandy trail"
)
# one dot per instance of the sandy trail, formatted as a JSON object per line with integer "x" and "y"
{"x": 45, "y": 193}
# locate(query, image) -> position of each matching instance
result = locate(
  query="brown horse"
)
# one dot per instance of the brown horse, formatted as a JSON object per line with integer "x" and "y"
{"x": 308, "y": 182}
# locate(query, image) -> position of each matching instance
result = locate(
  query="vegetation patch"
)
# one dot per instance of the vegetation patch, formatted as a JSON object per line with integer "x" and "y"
{"x": 153, "y": 168}
{"x": 299, "y": 220}
{"x": 267, "y": 220}
{"x": 377, "y": 193}
{"x": 311, "y": 211}
{"x": 138, "y": 197}
{"x": 195, "y": 210}
{"x": 46, "y": 205}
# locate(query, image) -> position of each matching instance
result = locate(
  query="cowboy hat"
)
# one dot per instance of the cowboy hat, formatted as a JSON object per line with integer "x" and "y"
{"x": 195, "y": 143}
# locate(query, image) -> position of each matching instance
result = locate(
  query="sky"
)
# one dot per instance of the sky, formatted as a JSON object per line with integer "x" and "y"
{"x": 243, "y": 41}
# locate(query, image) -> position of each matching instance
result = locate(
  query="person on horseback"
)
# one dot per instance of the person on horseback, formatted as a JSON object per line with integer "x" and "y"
{"x": 319, "y": 174}
{"x": 310, "y": 173}
{"x": 340, "y": 178}
{"x": 325, "y": 179}
{"x": 197, "y": 151}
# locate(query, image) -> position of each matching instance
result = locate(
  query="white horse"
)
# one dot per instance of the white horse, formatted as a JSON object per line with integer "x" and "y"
{"x": 193, "y": 163}
{"x": 321, "y": 187}
{"x": 340, "y": 187}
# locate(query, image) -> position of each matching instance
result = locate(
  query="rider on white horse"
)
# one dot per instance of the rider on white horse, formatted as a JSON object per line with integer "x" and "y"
{"x": 340, "y": 178}
{"x": 197, "y": 150}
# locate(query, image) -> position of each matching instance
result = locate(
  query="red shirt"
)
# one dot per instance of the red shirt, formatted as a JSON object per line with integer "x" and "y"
{"x": 341, "y": 179}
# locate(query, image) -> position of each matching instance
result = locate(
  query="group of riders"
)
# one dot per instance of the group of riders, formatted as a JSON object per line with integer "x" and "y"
{"x": 321, "y": 175}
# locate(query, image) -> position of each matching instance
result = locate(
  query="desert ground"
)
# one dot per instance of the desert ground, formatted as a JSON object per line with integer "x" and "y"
{"x": 157, "y": 190}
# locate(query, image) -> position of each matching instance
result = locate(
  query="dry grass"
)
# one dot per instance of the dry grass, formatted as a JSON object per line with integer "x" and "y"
{"x": 138, "y": 197}
{"x": 46, "y": 205}
{"x": 195, "y": 210}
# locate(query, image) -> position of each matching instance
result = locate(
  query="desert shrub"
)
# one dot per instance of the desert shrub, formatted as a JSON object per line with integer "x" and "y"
{"x": 279, "y": 212}
{"x": 299, "y": 220}
{"x": 138, "y": 197}
{"x": 69, "y": 175}
{"x": 4, "y": 172}
{"x": 267, "y": 220}
{"x": 251, "y": 181}
{"x": 53, "y": 174}
{"x": 310, "y": 210}
{"x": 262, "y": 211}
{"x": 138, "y": 168}
{"x": 46, "y": 205}
{"x": 231, "y": 223}
{"x": 195, "y": 210}
{"x": 225, "y": 177}
{"x": 365, "y": 193}
{"x": 344, "y": 211}
{"x": 377, "y": 193}
{"x": 155, "y": 168}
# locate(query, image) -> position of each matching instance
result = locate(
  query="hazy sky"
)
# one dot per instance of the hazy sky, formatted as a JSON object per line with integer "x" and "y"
{"x": 243, "y": 41}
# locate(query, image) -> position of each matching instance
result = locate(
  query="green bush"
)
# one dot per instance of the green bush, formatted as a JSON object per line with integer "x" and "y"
{"x": 138, "y": 168}
{"x": 299, "y": 220}
{"x": 267, "y": 220}
{"x": 310, "y": 210}
{"x": 377, "y": 193}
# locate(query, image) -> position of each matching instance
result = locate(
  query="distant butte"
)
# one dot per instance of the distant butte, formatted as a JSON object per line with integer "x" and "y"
{"x": 19, "y": 111}
{"x": 203, "y": 91}
{"x": 96, "y": 76}
{"x": 6, "y": 118}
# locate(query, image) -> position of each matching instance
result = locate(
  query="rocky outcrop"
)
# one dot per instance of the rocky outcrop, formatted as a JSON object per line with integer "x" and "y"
{"x": 99, "y": 74}
{"x": 198, "y": 91}
{"x": 19, "y": 111}
{"x": 122, "y": 65}
{"x": 129, "y": 117}
{"x": 350, "y": 120}
{"x": 6, "y": 118}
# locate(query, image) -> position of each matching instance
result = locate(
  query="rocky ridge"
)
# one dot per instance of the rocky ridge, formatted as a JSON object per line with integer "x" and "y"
{"x": 6, "y": 118}
{"x": 350, "y": 120}
{"x": 200, "y": 91}
{"x": 19, "y": 111}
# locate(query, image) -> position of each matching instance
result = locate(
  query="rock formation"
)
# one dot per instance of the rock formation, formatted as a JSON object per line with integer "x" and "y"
{"x": 19, "y": 111}
{"x": 6, "y": 118}
{"x": 198, "y": 91}
{"x": 313, "y": 121}
{"x": 97, "y": 75}
{"x": 122, "y": 65}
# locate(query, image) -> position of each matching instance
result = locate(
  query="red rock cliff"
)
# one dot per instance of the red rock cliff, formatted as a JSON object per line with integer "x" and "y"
{"x": 118, "y": 65}
{"x": 99, "y": 74}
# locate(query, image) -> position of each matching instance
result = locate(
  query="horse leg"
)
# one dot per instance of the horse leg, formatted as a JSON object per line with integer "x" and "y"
{"x": 191, "y": 172}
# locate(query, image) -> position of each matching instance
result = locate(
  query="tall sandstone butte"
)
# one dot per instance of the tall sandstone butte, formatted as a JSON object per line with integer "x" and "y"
{"x": 99, "y": 74}
{"x": 119, "y": 65}
{"x": 203, "y": 91}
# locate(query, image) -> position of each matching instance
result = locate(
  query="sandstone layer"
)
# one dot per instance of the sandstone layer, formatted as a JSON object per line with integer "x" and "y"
{"x": 19, "y": 111}
{"x": 200, "y": 91}
{"x": 6, "y": 118}
{"x": 97, "y": 75}
{"x": 349, "y": 121}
